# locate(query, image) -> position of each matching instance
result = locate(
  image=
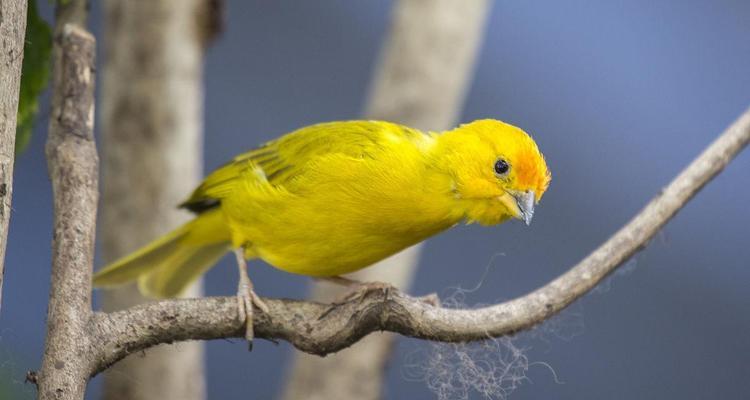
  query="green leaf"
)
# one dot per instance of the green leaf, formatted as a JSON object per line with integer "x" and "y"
{"x": 34, "y": 73}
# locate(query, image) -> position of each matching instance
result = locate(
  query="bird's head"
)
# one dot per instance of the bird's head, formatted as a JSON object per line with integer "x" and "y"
{"x": 496, "y": 169}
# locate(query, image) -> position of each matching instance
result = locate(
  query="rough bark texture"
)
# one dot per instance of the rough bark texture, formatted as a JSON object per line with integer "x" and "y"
{"x": 12, "y": 33}
{"x": 73, "y": 169}
{"x": 152, "y": 113}
{"x": 421, "y": 81}
{"x": 300, "y": 323}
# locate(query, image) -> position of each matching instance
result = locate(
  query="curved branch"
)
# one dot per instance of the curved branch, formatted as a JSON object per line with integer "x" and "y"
{"x": 300, "y": 322}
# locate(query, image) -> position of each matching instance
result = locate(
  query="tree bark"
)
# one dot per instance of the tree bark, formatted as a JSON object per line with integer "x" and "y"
{"x": 152, "y": 119}
{"x": 12, "y": 33}
{"x": 73, "y": 169}
{"x": 421, "y": 81}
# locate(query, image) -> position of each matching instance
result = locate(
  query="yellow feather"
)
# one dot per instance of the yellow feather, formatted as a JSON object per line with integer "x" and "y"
{"x": 134, "y": 265}
{"x": 166, "y": 266}
{"x": 181, "y": 269}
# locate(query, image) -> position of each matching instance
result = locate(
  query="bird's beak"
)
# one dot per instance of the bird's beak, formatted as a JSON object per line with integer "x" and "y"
{"x": 521, "y": 203}
{"x": 525, "y": 202}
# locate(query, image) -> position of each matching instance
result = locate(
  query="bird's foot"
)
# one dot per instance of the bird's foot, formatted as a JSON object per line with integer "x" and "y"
{"x": 358, "y": 290}
{"x": 246, "y": 299}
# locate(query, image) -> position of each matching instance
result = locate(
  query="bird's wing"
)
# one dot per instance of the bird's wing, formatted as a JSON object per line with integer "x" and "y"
{"x": 280, "y": 160}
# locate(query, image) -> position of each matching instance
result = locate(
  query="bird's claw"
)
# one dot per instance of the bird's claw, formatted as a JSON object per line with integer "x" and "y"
{"x": 245, "y": 314}
{"x": 359, "y": 291}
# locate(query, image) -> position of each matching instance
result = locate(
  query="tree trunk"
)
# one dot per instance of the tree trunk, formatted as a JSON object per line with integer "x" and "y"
{"x": 12, "y": 33}
{"x": 425, "y": 68}
{"x": 152, "y": 113}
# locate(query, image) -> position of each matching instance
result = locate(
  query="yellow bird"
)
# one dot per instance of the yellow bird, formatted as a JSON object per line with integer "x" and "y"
{"x": 332, "y": 198}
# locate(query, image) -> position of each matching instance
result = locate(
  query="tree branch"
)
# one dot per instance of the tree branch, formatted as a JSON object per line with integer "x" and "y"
{"x": 299, "y": 322}
{"x": 73, "y": 169}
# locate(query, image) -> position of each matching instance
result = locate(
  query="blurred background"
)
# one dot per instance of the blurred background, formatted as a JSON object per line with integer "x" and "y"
{"x": 620, "y": 96}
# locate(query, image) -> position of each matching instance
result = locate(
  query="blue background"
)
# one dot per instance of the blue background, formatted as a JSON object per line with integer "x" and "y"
{"x": 619, "y": 96}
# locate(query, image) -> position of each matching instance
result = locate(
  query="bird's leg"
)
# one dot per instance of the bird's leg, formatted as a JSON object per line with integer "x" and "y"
{"x": 246, "y": 297}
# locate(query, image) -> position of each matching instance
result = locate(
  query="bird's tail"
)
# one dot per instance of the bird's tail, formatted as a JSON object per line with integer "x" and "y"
{"x": 169, "y": 264}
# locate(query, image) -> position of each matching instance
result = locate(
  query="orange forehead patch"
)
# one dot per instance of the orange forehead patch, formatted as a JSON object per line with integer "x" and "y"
{"x": 531, "y": 170}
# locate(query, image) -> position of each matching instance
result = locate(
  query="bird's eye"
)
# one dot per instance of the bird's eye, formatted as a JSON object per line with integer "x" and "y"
{"x": 501, "y": 167}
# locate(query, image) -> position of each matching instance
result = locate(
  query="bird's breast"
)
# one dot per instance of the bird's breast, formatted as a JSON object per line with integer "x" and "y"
{"x": 341, "y": 216}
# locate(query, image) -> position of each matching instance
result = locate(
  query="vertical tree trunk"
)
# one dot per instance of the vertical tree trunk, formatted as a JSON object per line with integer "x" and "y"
{"x": 12, "y": 33}
{"x": 425, "y": 68}
{"x": 73, "y": 169}
{"x": 152, "y": 113}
